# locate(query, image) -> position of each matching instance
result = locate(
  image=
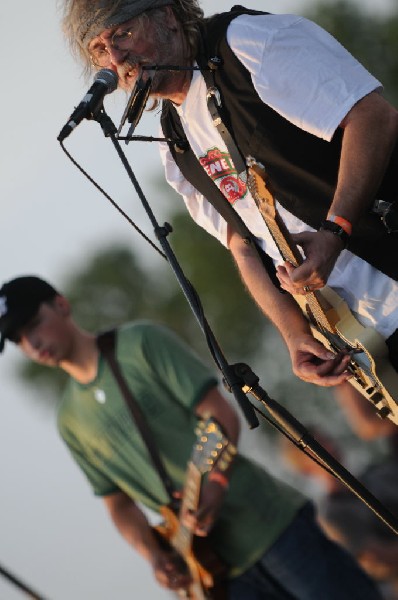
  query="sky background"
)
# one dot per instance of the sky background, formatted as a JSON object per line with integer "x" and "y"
{"x": 54, "y": 534}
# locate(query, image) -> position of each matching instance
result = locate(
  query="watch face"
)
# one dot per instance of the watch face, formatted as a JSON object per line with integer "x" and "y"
{"x": 390, "y": 219}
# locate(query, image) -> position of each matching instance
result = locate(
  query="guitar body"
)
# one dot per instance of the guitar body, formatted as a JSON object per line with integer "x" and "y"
{"x": 205, "y": 567}
{"x": 373, "y": 375}
{"x": 331, "y": 320}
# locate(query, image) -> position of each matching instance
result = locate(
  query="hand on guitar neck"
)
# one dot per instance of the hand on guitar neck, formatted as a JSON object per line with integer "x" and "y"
{"x": 202, "y": 520}
{"x": 321, "y": 250}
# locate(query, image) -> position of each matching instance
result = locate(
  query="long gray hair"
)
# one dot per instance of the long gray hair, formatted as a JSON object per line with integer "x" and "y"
{"x": 84, "y": 19}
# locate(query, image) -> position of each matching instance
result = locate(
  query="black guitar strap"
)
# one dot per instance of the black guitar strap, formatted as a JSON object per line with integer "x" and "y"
{"x": 208, "y": 62}
{"x": 106, "y": 343}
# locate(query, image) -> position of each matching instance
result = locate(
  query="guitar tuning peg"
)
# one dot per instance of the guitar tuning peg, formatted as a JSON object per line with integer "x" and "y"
{"x": 223, "y": 464}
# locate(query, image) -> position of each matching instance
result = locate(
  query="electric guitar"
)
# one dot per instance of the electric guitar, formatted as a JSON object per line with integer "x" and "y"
{"x": 205, "y": 568}
{"x": 331, "y": 320}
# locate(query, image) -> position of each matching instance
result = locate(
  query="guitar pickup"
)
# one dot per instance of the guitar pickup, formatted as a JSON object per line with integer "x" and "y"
{"x": 376, "y": 398}
{"x": 383, "y": 412}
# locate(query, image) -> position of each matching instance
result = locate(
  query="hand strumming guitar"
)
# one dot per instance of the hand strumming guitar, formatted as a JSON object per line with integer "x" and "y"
{"x": 313, "y": 363}
{"x": 170, "y": 570}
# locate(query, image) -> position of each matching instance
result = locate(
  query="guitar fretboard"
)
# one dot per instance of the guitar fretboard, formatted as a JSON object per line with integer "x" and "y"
{"x": 182, "y": 540}
{"x": 266, "y": 204}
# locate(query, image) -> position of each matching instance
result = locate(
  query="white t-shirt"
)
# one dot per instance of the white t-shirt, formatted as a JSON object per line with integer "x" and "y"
{"x": 304, "y": 74}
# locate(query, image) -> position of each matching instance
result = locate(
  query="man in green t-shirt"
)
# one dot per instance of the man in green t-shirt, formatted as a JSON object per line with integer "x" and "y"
{"x": 261, "y": 528}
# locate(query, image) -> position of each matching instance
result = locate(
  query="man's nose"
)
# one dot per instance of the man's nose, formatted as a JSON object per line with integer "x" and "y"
{"x": 117, "y": 56}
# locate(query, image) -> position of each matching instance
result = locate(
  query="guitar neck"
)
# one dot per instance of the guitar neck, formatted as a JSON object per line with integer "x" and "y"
{"x": 283, "y": 239}
{"x": 319, "y": 308}
{"x": 190, "y": 501}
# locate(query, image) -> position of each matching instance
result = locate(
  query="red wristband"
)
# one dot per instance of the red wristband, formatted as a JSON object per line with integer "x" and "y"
{"x": 219, "y": 478}
{"x": 344, "y": 224}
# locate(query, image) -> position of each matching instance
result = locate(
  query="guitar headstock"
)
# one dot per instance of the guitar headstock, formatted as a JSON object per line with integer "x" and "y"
{"x": 257, "y": 184}
{"x": 210, "y": 444}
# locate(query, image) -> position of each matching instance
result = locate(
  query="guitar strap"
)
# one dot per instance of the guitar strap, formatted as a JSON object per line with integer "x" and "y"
{"x": 187, "y": 162}
{"x": 106, "y": 343}
{"x": 208, "y": 62}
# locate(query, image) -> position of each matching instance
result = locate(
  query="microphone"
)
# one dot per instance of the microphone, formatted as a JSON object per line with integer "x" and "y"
{"x": 105, "y": 82}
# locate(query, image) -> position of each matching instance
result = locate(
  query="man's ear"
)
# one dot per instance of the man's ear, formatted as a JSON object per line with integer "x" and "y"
{"x": 62, "y": 306}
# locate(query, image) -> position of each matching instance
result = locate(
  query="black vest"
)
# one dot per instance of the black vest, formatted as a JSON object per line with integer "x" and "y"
{"x": 302, "y": 168}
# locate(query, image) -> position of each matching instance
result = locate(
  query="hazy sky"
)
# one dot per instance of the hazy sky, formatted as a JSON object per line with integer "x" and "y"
{"x": 53, "y": 533}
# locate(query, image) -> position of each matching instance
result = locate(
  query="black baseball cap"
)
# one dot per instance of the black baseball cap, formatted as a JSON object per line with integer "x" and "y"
{"x": 20, "y": 300}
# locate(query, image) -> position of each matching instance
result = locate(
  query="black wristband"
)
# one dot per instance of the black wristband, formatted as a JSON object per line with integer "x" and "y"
{"x": 336, "y": 229}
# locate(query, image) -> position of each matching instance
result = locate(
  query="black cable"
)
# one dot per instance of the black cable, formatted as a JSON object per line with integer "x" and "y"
{"x": 18, "y": 583}
{"x": 198, "y": 305}
{"x": 113, "y": 202}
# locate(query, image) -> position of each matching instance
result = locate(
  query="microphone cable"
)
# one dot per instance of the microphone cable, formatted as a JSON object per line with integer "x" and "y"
{"x": 110, "y": 199}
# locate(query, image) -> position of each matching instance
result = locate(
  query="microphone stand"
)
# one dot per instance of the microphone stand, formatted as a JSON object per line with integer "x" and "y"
{"x": 304, "y": 440}
{"x": 30, "y": 593}
{"x": 161, "y": 233}
{"x": 239, "y": 378}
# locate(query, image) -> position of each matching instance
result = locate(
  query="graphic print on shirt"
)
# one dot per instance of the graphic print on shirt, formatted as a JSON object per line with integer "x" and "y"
{"x": 219, "y": 167}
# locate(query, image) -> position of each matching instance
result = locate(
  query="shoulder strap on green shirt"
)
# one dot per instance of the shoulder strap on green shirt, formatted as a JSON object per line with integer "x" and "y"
{"x": 106, "y": 343}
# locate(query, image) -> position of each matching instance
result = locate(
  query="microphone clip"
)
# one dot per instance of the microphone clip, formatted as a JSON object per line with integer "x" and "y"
{"x": 136, "y": 103}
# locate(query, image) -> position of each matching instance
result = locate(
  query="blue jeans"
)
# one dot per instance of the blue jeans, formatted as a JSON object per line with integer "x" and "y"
{"x": 304, "y": 565}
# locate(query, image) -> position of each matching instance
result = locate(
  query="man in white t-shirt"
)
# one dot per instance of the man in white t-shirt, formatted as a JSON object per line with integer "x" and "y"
{"x": 291, "y": 96}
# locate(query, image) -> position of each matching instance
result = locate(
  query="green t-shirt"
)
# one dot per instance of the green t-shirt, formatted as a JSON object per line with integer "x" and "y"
{"x": 167, "y": 380}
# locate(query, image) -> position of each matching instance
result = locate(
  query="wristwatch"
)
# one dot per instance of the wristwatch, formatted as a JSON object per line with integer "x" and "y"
{"x": 336, "y": 229}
